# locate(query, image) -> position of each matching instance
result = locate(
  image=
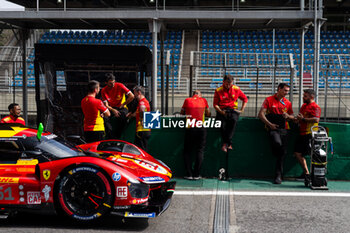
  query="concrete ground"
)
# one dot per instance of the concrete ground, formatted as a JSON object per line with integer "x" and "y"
{"x": 197, "y": 206}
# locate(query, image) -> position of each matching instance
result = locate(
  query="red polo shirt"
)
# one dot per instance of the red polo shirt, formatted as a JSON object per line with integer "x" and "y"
{"x": 309, "y": 111}
{"x": 228, "y": 98}
{"x": 115, "y": 95}
{"x": 275, "y": 106}
{"x": 195, "y": 107}
{"x": 12, "y": 119}
{"x": 139, "y": 124}
{"x": 92, "y": 109}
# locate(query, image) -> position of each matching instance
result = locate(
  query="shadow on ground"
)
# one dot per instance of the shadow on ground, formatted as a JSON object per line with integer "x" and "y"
{"x": 110, "y": 222}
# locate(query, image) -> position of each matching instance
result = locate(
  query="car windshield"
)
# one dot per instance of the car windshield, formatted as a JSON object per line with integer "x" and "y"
{"x": 118, "y": 146}
{"x": 52, "y": 145}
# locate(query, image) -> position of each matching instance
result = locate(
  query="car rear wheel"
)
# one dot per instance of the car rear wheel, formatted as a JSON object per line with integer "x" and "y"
{"x": 84, "y": 193}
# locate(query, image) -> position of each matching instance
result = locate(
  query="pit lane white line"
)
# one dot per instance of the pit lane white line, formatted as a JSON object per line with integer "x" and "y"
{"x": 257, "y": 193}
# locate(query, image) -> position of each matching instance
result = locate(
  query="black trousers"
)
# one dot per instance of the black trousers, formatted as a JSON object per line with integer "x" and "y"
{"x": 115, "y": 125}
{"x": 279, "y": 144}
{"x": 141, "y": 139}
{"x": 195, "y": 139}
{"x": 228, "y": 125}
{"x": 94, "y": 136}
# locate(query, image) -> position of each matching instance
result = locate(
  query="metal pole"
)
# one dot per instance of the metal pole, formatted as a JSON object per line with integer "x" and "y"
{"x": 318, "y": 59}
{"x": 13, "y": 82}
{"x": 340, "y": 85}
{"x": 162, "y": 72}
{"x": 316, "y": 37}
{"x": 301, "y": 67}
{"x": 167, "y": 83}
{"x": 256, "y": 92}
{"x": 273, "y": 60}
{"x": 302, "y": 5}
{"x": 64, "y": 5}
{"x": 172, "y": 88}
{"x": 154, "y": 70}
{"x": 191, "y": 80}
{"x": 191, "y": 72}
{"x": 274, "y": 76}
{"x": 291, "y": 78}
{"x": 24, "y": 67}
{"x": 325, "y": 96}
{"x": 37, "y": 5}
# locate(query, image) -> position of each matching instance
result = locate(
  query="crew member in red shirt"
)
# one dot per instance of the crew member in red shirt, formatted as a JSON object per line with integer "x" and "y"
{"x": 94, "y": 110}
{"x": 309, "y": 116}
{"x": 275, "y": 112}
{"x": 14, "y": 117}
{"x": 226, "y": 106}
{"x": 195, "y": 108}
{"x": 142, "y": 135}
{"x": 116, "y": 97}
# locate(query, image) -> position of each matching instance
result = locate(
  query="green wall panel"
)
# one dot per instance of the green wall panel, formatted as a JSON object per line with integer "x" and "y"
{"x": 251, "y": 155}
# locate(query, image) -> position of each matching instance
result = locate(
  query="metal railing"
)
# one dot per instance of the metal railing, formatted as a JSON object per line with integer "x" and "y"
{"x": 233, "y": 5}
{"x": 257, "y": 74}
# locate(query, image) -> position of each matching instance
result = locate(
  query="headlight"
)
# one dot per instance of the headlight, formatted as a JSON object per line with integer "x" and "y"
{"x": 138, "y": 190}
{"x": 162, "y": 163}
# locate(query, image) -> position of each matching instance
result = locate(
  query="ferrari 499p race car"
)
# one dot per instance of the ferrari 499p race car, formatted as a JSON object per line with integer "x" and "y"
{"x": 39, "y": 171}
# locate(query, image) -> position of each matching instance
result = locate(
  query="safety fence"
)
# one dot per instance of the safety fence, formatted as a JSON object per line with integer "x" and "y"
{"x": 258, "y": 75}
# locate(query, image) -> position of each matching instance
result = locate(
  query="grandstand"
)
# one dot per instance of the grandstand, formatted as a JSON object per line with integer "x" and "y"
{"x": 237, "y": 44}
{"x": 173, "y": 42}
{"x": 241, "y": 48}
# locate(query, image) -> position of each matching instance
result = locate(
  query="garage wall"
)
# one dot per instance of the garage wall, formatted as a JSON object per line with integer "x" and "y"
{"x": 251, "y": 156}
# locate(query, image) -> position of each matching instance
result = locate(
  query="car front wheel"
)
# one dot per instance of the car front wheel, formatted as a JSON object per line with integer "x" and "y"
{"x": 85, "y": 193}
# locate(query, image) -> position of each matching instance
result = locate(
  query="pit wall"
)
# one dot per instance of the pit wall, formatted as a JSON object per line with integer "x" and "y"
{"x": 251, "y": 155}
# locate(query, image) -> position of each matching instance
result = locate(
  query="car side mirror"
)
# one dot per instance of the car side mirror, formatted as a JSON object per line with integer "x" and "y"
{"x": 75, "y": 139}
{"x": 32, "y": 153}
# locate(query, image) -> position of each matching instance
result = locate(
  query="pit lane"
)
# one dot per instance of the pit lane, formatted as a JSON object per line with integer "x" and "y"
{"x": 254, "y": 206}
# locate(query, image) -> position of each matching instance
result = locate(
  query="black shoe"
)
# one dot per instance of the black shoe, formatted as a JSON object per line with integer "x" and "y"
{"x": 301, "y": 177}
{"x": 307, "y": 180}
{"x": 278, "y": 180}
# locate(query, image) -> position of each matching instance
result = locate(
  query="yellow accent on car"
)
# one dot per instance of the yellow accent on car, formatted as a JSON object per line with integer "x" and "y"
{"x": 27, "y": 162}
{"x": 9, "y": 180}
{"x": 10, "y": 133}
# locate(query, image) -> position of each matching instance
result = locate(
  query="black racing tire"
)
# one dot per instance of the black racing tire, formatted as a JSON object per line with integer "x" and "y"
{"x": 84, "y": 194}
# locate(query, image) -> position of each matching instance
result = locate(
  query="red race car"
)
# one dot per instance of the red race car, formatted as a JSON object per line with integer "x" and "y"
{"x": 42, "y": 172}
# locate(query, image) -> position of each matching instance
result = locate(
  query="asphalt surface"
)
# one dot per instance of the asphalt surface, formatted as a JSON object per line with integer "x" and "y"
{"x": 274, "y": 209}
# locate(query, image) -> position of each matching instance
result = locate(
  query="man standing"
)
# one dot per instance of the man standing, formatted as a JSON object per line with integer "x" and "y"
{"x": 14, "y": 117}
{"x": 142, "y": 135}
{"x": 309, "y": 116}
{"x": 94, "y": 110}
{"x": 195, "y": 108}
{"x": 275, "y": 112}
{"x": 114, "y": 96}
{"x": 226, "y": 106}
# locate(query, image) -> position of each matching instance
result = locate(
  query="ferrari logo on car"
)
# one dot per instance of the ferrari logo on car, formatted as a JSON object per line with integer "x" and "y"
{"x": 46, "y": 174}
